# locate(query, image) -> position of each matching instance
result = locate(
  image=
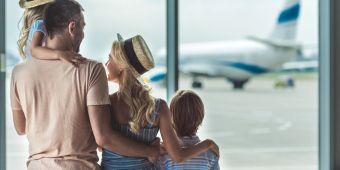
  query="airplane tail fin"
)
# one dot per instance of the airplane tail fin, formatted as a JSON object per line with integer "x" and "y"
{"x": 286, "y": 25}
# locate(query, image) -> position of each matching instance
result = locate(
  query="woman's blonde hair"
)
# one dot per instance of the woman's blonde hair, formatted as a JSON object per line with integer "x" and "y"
{"x": 134, "y": 93}
{"x": 30, "y": 15}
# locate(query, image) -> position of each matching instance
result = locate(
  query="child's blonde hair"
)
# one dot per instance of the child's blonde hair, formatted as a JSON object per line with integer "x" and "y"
{"x": 30, "y": 15}
{"x": 132, "y": 91}
{"x": 187, "y": 112}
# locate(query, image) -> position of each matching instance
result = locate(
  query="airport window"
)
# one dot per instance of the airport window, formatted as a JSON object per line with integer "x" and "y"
{"x": 255, "y": 66}
{"x": 104, "y": 19}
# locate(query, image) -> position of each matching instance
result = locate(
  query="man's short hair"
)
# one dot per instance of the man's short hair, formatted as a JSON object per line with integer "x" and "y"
{"x": 59, "y": 14}
{"x": 187, "y": 112}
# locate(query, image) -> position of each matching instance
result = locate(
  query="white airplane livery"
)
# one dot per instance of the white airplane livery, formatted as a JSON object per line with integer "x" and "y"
{"x": 238, "y": 61}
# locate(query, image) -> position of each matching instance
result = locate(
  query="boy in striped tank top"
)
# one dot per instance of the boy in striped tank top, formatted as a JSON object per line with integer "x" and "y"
{"x": 187, "y": 114}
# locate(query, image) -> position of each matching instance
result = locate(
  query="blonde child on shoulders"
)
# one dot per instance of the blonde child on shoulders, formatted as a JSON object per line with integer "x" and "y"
{"x": 31, "y": 41}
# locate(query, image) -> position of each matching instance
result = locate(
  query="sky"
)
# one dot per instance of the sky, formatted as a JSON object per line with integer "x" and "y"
{"x": 200, "y": 21}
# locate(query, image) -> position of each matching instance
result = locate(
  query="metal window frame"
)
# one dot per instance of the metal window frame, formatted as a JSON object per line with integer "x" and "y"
{"x": 172, "y": 47}
{"x": 2, "y": 87}
{"x": 326, "y": 82}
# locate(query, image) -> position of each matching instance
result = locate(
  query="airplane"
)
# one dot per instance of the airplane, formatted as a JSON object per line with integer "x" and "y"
{"x": 237, "y": 61}
{"x": 307, "y": 62}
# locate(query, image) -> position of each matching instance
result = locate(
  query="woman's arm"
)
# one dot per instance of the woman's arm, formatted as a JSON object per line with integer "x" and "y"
{"x": 171, "y": 141}
{"x": 43, "y": 53}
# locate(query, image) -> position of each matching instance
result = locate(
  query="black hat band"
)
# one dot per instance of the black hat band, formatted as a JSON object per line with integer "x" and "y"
{"x": 132, "y": 57}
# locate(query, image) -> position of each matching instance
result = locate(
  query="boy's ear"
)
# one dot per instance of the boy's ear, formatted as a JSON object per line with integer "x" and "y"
{"x": 72, "y": 28}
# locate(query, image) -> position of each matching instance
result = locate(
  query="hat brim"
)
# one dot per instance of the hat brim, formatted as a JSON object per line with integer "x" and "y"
{"x": 137, "y": 53}
{"x": 31, "y": 4}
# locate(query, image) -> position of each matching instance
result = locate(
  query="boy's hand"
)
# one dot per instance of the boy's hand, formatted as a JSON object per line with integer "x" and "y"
{"x": 71, "y": 57}
{"x": 214, "y": 147}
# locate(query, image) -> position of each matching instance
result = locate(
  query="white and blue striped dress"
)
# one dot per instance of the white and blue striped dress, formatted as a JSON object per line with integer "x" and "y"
{"x": 111, "y": 160}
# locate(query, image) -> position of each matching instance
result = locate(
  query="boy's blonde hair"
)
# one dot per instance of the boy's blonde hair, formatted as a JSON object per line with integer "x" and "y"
{"x": 132, "y": 91}
{"x": 187, "y": 112}
{"x": 30, "y": 15}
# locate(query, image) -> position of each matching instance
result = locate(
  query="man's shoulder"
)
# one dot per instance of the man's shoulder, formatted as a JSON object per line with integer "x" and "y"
{"x": 92, "y": 67}
{"x": 20, "y": 67}
{"x": 92, "y": 63}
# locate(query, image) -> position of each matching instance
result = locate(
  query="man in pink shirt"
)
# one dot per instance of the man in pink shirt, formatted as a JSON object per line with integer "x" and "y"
{"x": 63, "y": 109}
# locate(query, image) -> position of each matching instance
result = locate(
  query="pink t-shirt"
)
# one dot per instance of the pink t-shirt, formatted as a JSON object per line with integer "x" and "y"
{"x": 54, "y": 97}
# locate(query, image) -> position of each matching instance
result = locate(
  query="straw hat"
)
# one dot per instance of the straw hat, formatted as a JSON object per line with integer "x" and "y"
{"x": 138, "y": 54}
{"x": 33, "y": 3}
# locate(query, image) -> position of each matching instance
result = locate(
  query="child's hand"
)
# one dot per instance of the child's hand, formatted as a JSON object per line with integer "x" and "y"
{"x": 214, "y": 148}
{"x": 71, "y": 57}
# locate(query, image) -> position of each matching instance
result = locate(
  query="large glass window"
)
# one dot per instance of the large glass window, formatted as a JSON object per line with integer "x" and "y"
{"x": 254, "y": 64}
{"x": 268, "y": 46}
{"x": 104, "y": 19}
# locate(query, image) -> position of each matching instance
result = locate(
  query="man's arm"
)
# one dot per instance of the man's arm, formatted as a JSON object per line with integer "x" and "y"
{"x": 110, "y": 139}
{"x": 19, "y": 121}
{"x": 19, "y": 118}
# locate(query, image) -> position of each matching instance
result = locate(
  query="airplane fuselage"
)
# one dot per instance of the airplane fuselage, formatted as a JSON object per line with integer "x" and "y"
{"x": 237, "y": 60}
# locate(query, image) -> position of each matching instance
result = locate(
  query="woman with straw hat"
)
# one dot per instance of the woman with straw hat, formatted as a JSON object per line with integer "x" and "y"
{"x": 136, "y": 113}
{"x": 33, "y": 32}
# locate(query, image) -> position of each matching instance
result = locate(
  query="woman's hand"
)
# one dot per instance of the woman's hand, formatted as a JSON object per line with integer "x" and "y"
{"x": 71, "y": 57}
{"x": 162, "y": 149}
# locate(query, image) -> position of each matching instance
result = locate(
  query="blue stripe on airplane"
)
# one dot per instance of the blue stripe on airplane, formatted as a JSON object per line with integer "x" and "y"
{"x": 245, "y": 67}
{"x": 290, "y": 14}
{"x": 254, "y": 69}
{"x": 158, "y": 77}
{"x": 251, "y": 68}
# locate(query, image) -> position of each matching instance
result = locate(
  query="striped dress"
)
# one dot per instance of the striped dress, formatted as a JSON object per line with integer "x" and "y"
{"x": 111, "y": 160}
{"x": 205, "y": 161}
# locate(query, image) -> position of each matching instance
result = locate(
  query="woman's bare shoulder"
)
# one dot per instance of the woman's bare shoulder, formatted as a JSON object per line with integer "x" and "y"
{"x": 114, "y": 101}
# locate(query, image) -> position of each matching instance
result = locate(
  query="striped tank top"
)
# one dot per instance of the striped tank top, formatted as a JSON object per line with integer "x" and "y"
{"x": 111, "y": 160}
{"x": 205, "y": 161}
